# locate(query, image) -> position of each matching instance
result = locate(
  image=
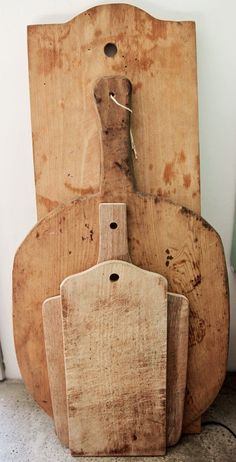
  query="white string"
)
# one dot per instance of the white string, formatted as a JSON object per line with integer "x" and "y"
{"x": 131, "y": 134}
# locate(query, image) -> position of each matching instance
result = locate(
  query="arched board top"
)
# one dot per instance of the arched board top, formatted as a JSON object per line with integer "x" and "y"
{"x": 159, "y": 58}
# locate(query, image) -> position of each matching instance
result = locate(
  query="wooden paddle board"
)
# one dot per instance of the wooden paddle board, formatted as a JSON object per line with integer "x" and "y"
{"x": 164, "y": 238}
{"x": 159, "y": 58}
{"x": 115, "y": 338}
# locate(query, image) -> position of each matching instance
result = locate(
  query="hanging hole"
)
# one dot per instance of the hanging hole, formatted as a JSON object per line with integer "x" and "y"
{"x": 114, "y": 277}
{"x": 113, "y": 225}
{"x": 110, "y": 50}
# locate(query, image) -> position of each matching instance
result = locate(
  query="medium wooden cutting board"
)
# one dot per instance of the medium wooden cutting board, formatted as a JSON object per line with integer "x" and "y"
{"x": 65, "y": 61}
{"x": 164, "y": 238}
{"x": 113, "y": 244}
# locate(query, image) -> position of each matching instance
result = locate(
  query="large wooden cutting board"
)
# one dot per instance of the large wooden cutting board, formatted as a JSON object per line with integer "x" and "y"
{"x": 164, "y": 238}
{"x": 65, "y": 61}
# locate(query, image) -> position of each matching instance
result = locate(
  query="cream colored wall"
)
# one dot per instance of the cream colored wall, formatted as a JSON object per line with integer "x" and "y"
{"x": 216, "y": 38}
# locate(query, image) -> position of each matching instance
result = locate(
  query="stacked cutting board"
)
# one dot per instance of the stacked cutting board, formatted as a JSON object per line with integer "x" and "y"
{"x": 120, "y": 290}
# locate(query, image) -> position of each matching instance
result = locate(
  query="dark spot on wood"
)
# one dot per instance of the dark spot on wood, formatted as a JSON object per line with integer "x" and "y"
{"x": 187, "y": 180}
{"x": 60, "y": 230}
{"x": 91, "y": 233}
{"x": 137, "y": 86}
{"x": 118, "y": 165}
{"x": 86, "y": 225}
{"x": 195, "y": 239}
{"x": 98, "y": 32}
{"x": 206, "y": 224}
{"x": 197, "y": 280}
{"x": 83, "y": 238}
{"x": 167, "y": 251}
{"x": 181, "y": 157}
{"x": 37, "y": 235}
{"x": 150, "y": 166}
{"x": 169, "y": 257}
{"x": 134, "y": 437}
{"x": 187, "y": 212}
{"x": 169, "y": 173}
{"x": 167, "y": 263}
{"x": 70, "y": 252}
{"x": 156, "y": 200}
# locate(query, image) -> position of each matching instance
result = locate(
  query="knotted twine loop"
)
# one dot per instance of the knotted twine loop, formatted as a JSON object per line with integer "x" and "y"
{"x": 131, "y": 134}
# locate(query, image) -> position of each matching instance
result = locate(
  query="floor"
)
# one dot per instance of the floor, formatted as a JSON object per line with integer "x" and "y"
{"x": 27, "y": 434}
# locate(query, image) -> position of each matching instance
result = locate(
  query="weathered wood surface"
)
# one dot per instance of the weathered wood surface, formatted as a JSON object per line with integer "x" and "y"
{"x": 65, "y": 61}
{"x": 113, "y": 244}
{"x": 52, "y": 327}
{"x": 115, "y": 335}
{"x": 177, "y": 359}
{"x": 164, "y": 238}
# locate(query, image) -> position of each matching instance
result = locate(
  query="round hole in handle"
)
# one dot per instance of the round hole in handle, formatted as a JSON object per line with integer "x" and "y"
{"x": 113, "y": 225}
{"x": 114, "y": 277}
{"x": 110, "y": 50}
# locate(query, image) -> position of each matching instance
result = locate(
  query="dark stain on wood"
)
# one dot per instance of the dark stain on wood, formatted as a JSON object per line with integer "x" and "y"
{"x": 48, "y": 203}
{"x": 98, "y": 32}
{"x": 187, "y": 212}
{"x": 169, "y": 173}
{"x": 150, "y": 167}
{"x": 137, "y": 86}
{"x": 197, "y": 329}
{"x": 187, "y": 180}
{"x": 50, "y": 58}
{"x": 80, "y": 191}
{"x": 181, "y": 157}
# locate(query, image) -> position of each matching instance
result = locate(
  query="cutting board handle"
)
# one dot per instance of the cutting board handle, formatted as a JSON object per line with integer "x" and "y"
{"x": 113, "y": 239}
{"x": 116, "y": 171}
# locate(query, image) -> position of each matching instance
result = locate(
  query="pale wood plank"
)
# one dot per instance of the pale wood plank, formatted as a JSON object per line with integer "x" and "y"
{"x": 159, "y": 57}
{"x": 115, "y": 336}
{"x": 52, "y": 327}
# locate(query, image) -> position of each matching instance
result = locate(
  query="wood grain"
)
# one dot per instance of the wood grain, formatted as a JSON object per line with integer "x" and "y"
{"x": 65, "y": 61}
{"x": 113, "y": 244}
{"x": 52, "y": 327}
{"x": 115, "y": 335}
{"x": 163, "y": 238}
{"x": 177, "y": 359}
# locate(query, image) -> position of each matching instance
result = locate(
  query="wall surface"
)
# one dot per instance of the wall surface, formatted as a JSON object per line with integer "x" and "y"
{"x": 216, "y": 38}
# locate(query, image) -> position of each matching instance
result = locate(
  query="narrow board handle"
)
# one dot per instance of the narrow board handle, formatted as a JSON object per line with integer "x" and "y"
{"x": 113, "y": 239}
{"x": 115, "y": 136}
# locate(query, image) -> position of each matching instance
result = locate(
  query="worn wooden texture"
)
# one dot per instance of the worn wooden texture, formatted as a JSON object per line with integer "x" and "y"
{"x": 113, "y": 244}
{"x": 52, "y": 327}
{"x": 115, "y": 336}
{"x": 159, "y": 57}
{"x": 164, "y": 238}
{"x": 177, "y": 359}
